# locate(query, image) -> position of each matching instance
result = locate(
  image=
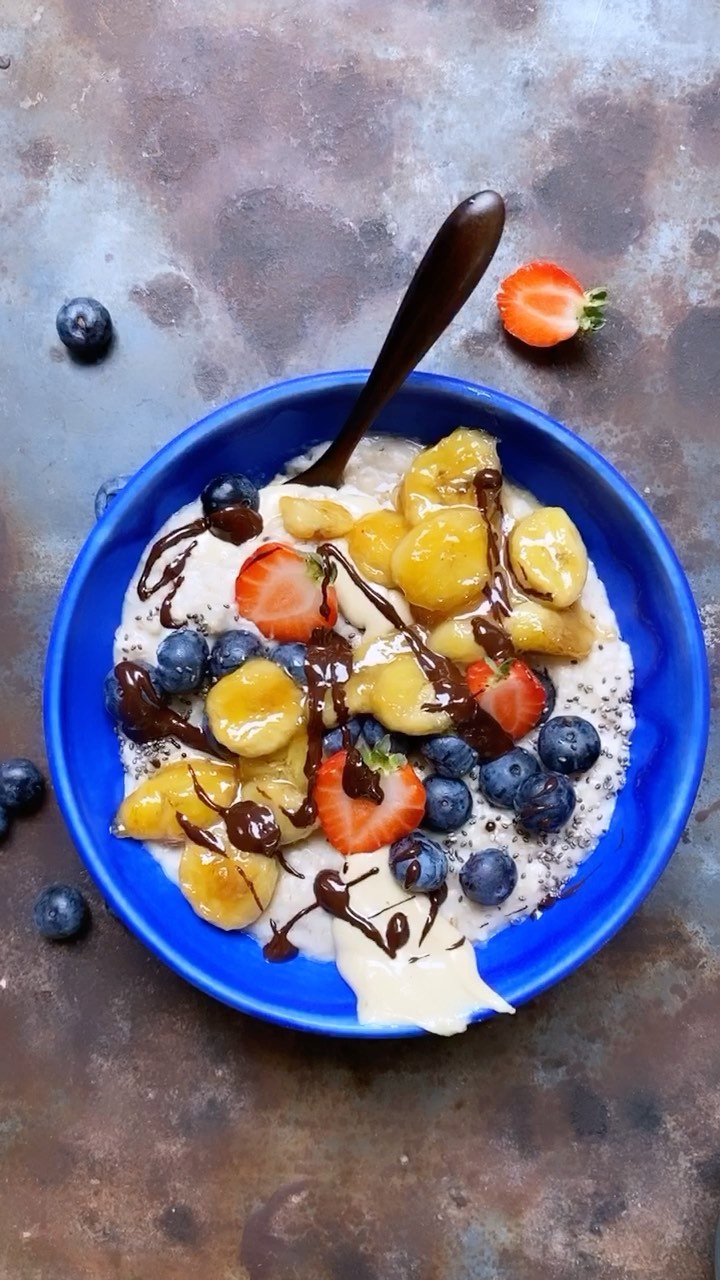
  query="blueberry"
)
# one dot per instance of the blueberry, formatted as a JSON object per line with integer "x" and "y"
{"x": 292, "y": 658}
{"x": 373, "y": 731}
{"x": 550, "y": 692}
{"x": 544, "y": 802}
{"x": 60, "y": 912}
{"x": 418, "y": 863}
{"x": 450, "y": 757}
{"x": 231, "y": 649}
{"x": 85, "y": 327}
{"x": 181, "y": 661}
{"x": 488, "y": 877}
{"x": 499, "y": 779}
{"x": 448, "y": 803}
{"x": 569, "y": 744}
{"x": 111, "y": 690}
{"x": 4, "y": 822}
{"x": 333, "y": 741}
{"x": 228, "y": 490}
{"x": 22, "y": 786}
{"x": 108, "y": 490}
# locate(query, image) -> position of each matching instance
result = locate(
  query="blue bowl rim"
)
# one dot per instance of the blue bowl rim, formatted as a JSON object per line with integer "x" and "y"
{"x": 696, "y": 729}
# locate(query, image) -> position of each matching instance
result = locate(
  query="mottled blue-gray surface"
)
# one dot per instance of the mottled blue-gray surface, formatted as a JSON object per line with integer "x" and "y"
{"x": 247, "y": 185}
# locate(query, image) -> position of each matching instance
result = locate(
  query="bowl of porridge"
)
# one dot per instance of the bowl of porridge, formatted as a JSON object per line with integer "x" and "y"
{"x": 382, "y": 759}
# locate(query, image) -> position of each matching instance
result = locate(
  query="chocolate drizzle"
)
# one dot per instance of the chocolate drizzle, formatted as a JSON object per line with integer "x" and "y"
{"x": 437, "y": 897}
{"x": 146, "y": 718}
{"x": 235, "y": 524}
{"x": 359, "y": 780}
{"x": 452, "y": 694}
{"x": 487, "y": 627}
{"x": 250, "y": 827}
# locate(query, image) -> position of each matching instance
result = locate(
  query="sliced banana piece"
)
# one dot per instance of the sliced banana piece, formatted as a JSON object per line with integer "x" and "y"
{"x": 548, "y": 556}
{"x": 313, "y": 519}
{"x": 286, "y": 765}
{"x": 454, "y": 639}
{"x": 443, "y": 475}
{"x": 566, "y": 633}
{"x": 371, "y": 542}
{"x": 150, "y": 811}
{"x": 230, "y": 890}
{"x": 256, "y": 710}
{"x": 283, "y": 798}
{"x": 442, "y": 563}
{"x": 400, "y": 695}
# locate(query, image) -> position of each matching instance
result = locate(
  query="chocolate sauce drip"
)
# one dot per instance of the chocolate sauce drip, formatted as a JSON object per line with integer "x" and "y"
{"x": 492, "y": 638}
{"x": 397, "y": 934}
{"x": 233, "y": 524}
{"x": 437, "y": 897}
{"x": 328, "y": 665}
{"x": 359, "y": 780}
{"x": 451, "y": 690}
{"x": 487, "y": 628}
{"x": 334, "y": 897}
{"x": 280, "y": 947}
{"x": 146, "y": 718}
{"x": 199, "y": 835}
{"x": 456, "y": 945}
{"x": 250, "y": 827}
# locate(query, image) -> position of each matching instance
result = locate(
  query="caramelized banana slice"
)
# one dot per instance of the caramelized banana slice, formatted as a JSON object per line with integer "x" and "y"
{"x": 149, "y": 812}
{"x": 566, "y": 633}
{"x": 443, "y": 475}
{"x": 313, "y": 519}
{"x": 400, "y": 695}
{"x": 454, "y": 639}
{"x": 371, "y": 542}
{"x": 256, "y": 710}
{"x": 548, "y": 556}
{"x": 442, "y": 563}
{"x": 228, "y": 890}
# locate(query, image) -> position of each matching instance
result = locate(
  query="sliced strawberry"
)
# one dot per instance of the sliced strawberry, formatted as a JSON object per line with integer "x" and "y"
{"x": 361, "y": 826}
{"x": 542, "y": 304}
{"x": 508, "y": 691}
{"x": 280, "y": 590}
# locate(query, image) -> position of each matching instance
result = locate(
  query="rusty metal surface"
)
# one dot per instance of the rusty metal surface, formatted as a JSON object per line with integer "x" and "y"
{"x": 247, "y": 185}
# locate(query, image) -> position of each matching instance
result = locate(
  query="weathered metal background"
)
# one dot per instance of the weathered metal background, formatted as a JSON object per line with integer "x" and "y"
{"x": 246, "y": 185}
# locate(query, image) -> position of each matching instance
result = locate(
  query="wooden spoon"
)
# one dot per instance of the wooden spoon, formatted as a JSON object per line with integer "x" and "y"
{"x": 456, "y": 261}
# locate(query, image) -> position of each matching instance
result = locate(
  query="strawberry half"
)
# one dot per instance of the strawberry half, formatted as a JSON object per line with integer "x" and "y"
{"x": 542, "y": 304}
{"x": 510, "y": 692}
{"x": 279, "y": 589}
{"x": 360, "y": 826}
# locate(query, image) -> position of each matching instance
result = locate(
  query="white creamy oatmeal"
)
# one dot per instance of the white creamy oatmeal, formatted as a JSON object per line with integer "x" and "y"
{"x": 435, "y": 983}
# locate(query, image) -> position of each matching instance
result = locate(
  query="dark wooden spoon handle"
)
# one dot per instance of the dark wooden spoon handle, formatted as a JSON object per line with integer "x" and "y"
{"x": 453, "y": 265}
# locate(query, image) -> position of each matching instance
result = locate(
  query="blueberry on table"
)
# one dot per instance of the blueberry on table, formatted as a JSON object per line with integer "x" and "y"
{"x": 548, "y": 684}
{"x": 544, "y": 803}
{"x": 181, "y": 661}
{"x": 60, "y": 913}
{"x": 22, "y": 786}
{"x": 231, "y": 650}
{"x": 108, "y": 490}
{"x": 229, "y": 490}
{"x": 291, "y": 657}
{"x": 85, "y": 327}
{"x": 333, "y": 741}
{"x": 499, "y": 779}
{"x": 488, "y": 877}
{"x": 448, "y": 803}
{"x": 451, "y": 757}
{"x": 569, "y": 744}
{"x": 418, "y": 863}
{"x": 4, "y": 822}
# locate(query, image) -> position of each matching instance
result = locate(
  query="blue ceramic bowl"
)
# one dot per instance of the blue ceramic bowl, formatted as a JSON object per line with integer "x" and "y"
{"x": 648, "y": 591}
